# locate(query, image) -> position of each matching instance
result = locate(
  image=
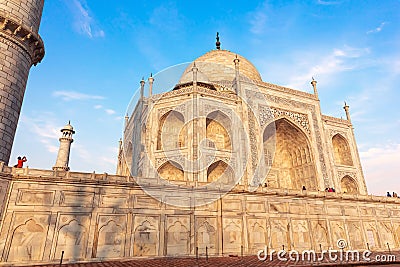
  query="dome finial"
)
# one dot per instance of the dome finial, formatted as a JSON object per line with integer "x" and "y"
{"x": 218, "y": 43}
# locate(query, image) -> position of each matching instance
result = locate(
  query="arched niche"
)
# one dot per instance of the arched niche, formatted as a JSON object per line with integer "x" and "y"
{"x": 171, "y": 131}
{"x": 288, "y": 151}
{"x": 221, "y": 171}
{"x": 171, "y": 171}
{"x": 341, "y": 150}
{"x": 348, "y": 185}
{"x": 218, "y": 127}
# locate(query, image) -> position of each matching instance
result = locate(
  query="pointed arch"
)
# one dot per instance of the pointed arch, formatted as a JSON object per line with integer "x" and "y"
{"x": 28, "y": 241}
{"x": 218, "y": 128}
{"x": 341, "y": 150}
{"x": 220, "y": 170}
{"x": 171, "y": 171}
{"x": 171, "y": 131}
{"x": 293, "y": 164}
{"x": 348, "y": 185}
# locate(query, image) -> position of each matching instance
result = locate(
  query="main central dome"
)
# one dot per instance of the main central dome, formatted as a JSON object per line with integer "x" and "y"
{"x": 218, "y": 66}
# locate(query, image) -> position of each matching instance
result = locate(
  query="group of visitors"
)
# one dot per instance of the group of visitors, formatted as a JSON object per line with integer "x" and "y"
{"x": 393, "y": 195}
{"x": 330, "y": 189}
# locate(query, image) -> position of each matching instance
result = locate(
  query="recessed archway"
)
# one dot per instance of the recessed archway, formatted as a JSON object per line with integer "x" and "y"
{"x": 218, "y": 126}
{"x": 171, "y": 131}
{"x": 293, "y": 163}
{"x": 171, "y": 171}
{"x": 341, "y": 150}
{"x": 348, "y": 185}
{"x": 219, "y": 170}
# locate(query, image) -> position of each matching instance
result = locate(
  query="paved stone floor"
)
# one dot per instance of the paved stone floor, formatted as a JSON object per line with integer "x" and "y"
{"x": 228, "y": 261}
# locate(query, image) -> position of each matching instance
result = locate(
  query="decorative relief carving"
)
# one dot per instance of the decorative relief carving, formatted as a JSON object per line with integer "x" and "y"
{"x": 22, "y": 36}
{"x": 296, "y": 104}
{"x": 178, "y": 239}
{"x": 35, "y": 197}
{"x": 207, "y": 235}
{"x": 72, "y": 236}
{"x": 146, "y": 236}
{"x": 111, "y": 236}
{"x": 267, "y": 115}
{"x": 28, "y": 238}
{"x": 181, "y": 108}
{"x": 232, "y": 235}
{"x": 333, "y": 132}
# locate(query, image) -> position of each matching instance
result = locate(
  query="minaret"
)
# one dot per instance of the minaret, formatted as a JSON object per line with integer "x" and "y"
{"x": 237, "y": 75}
{"x": 346, "y": 109}
{"x": 21, "y": 47}
{"x": 65, "y": 148}
{"x": 151, "y": 80}
{"x": 142, "y": 83}
{"x": 314, "y": 85}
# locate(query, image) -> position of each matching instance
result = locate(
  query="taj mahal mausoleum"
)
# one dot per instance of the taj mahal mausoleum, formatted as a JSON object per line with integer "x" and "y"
{"x": 222, "y": 163}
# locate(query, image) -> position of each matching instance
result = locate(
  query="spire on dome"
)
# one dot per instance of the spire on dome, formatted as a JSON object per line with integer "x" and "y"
{"x": 218, "y": 43}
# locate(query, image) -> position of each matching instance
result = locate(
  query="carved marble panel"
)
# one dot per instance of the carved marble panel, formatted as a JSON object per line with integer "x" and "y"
{"x": 255, "y": 206}
{"x": 76, "y": 199}
{"x": 372, "y": 235}
{"x": 279, "y": 234}
{"x": 72, "y": 236}
{"x": 178, "y": 235}
{"x": 146, "y": 235}
{"x": 367, "y": 211}
{"x": 114, "y": 201}
{"x": 320, "y": 234}
{"x": 257, "y": 234}
{"x": 110, "y": 236}
{"x": 146, "y": 202}
{"x": 207, "y": 235}
{"x": 28, "y": 237}
{"x": 387, "y": 234}
{"x": 232, "y": 231}
{"x": 317, "y": 209}
{"x": 355, "y": 235}
{"x": 278, "y": 207}
{"x": 338, "y": 231}
{"x": 35, "y": 197}
{"x": 334, "y": 210}
{"x": 232, "y": 205}
{"x": 297, "y": 208}
{"x": 301, "y": 235}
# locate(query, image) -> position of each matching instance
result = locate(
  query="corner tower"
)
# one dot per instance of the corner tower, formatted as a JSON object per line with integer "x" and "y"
{"x": 65, "y": 148}
{"x": 20, "y": 48}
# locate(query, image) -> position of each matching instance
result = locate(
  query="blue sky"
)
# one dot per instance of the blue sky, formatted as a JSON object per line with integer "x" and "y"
{"x": 97, "y": 52}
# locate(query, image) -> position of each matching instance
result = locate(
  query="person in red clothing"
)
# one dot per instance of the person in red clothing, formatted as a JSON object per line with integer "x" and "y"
{"x": 20, "y": 162}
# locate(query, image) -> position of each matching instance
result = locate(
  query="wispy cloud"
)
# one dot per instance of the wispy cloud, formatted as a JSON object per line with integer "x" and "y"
{"x": 110, "y": 111}
{"x": 328, "y": 3}
{"x": 381, "y": 162}
{"x": 84, "y": 22}
{"x": 98, "y": 107}
{"x": 258, "y": 19}
{"x": 338, "y": 60}
{"x": 377, "y": 29}
{"x": 72, "y": 95}
{"x": 44, "y": 128}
